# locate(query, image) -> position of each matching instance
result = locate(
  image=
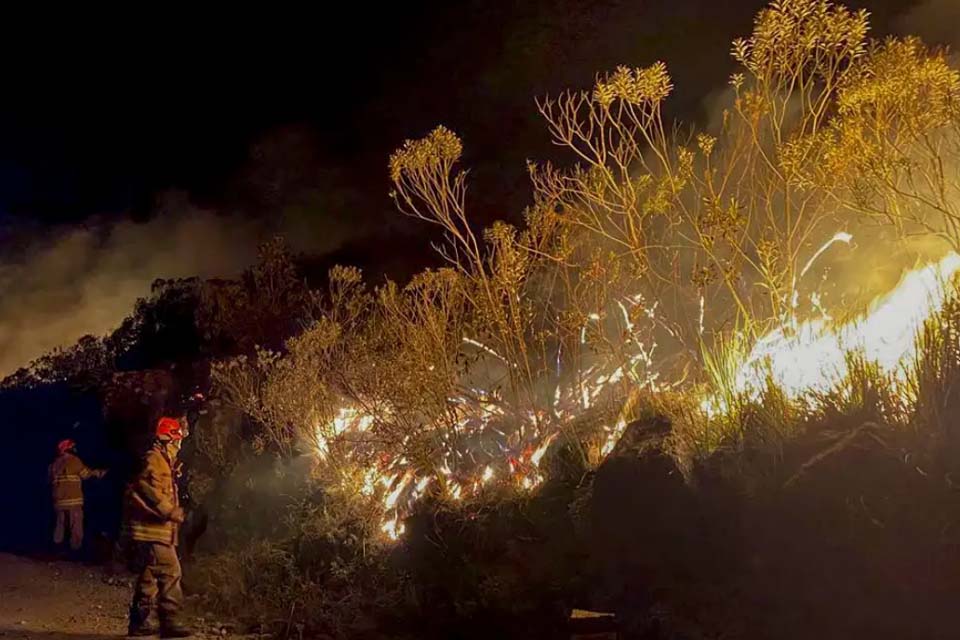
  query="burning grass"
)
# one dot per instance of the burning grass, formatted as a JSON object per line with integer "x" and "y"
{"x": 691, "y": 280}
{"x": 469, "y": 375}
{"x": 876, "y": 364}
{"x": 369, "y": 542}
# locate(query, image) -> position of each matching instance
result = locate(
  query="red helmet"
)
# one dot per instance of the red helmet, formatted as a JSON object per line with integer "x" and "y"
{"x": 169, "y": 429}
{"x": 66, "y": 445}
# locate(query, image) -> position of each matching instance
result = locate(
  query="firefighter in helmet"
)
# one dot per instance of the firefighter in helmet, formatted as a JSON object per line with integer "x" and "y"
{"x": 67, "y": 473}
{"x": 151, "y": 521}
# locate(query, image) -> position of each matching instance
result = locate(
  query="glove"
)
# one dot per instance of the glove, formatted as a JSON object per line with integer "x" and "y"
{"x": 99, "y": 473}
{"x": 178, "y": 515}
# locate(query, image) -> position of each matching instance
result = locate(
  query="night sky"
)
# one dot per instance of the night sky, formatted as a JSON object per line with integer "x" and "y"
{"x": 99, "y": 119}
{"x": 283, "y": 121}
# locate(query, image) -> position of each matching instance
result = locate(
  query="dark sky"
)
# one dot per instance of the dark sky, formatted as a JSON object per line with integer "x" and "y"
{"x": 98, "y": 117}
{"x": 168, "y": 144}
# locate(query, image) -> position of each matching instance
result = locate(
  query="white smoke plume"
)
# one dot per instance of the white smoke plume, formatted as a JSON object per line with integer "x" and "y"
{"x": 85, "y": 280}
{"x": 57, "y": 285}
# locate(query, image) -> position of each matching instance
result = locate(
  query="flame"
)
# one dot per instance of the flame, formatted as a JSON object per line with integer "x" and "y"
{"x": 540, "y": 451}
{"x": 613, "y": 436}
{"x": 840, "y": 236}
{"x": 394, "y": 495}
{"x": 468, "y": 463}
{"x": 387, "y": 481}
{"x": 487, "y": 474}
{"x": 490, "y": 434}
{"x": 811, "y": 357}
{"x": 455, "y": 490}
{"x": 393, "y": 528}
{"x": 369, "y": 482}
{"x": 483, "y": 347}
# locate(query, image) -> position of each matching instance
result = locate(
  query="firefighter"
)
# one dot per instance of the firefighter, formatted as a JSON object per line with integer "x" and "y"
{"x": 67, "y": 473}
{"x": 151, "y": 521}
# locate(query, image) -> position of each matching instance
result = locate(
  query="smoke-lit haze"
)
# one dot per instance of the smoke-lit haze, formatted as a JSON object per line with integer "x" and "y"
{"x": 60, "y": 283}
{"x": 936, "y": 21}
{"x": 84, "y": 280}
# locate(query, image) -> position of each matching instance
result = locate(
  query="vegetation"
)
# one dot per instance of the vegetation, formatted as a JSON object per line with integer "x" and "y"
{"x": 475, "y": 404}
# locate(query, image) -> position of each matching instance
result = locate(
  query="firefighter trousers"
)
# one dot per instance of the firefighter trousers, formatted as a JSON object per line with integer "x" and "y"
{"x": 158, "y": 583}
{"x": 72, "y": 518}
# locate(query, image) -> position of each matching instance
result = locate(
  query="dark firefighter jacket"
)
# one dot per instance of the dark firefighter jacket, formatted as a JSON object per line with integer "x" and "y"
{"x": 67, "y": 474}
{"x": 150, "y": 500}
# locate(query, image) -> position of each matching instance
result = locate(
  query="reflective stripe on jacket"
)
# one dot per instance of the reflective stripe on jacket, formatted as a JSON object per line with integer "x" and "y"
{"x": 149, "y": 501}
{"x": 67, "y": 474}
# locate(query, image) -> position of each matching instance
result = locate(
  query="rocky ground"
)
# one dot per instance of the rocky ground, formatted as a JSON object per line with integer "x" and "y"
{"x": 61, "y": 600}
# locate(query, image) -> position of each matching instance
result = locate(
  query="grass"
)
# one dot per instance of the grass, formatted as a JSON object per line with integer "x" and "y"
{"x": 755, "y": 427}
{"x": 933, "y": 380}
{"x": 320, "y": 572}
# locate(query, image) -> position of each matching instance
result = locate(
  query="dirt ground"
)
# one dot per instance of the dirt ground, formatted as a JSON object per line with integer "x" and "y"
{"x": 59, "y": 599}
{"x": 64, "y": 600}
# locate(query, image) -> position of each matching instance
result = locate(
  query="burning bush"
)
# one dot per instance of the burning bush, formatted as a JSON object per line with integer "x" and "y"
{"x": 683, "y": 275}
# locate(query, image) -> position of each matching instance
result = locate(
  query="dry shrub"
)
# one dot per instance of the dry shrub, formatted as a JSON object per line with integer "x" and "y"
{"x": 290, "y": 549}
{"x": 935, "y": 381}
{"x": 651, "y": 264}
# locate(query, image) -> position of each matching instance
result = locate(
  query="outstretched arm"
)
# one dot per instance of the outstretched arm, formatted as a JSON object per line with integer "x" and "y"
{"x": 85, "y": 471}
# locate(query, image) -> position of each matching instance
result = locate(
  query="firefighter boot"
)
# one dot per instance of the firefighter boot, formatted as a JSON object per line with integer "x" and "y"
{"x": 139, "y": 623}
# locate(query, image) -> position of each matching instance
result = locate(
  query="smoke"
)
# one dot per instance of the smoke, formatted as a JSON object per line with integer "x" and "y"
{"x": 888, "y": 255}
{"x": 936, "y": 21}
{"x": 57, "y": 285}
{"x": 85, "y": 280}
